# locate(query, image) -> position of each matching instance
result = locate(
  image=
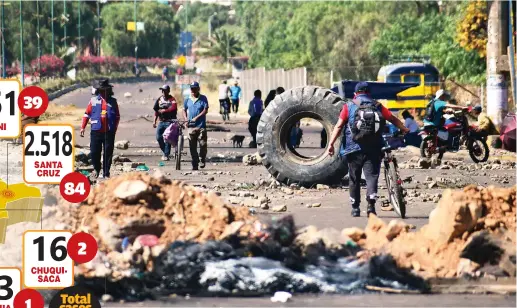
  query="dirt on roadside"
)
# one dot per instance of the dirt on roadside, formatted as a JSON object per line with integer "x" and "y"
{"x": 471, "y": 231}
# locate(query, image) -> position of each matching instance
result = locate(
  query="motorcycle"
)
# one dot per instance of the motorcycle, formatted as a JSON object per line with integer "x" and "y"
{"x": 455, "y": 134}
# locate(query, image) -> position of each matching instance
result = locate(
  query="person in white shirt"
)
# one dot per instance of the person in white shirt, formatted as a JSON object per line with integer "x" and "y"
{"x": 411, "y": 138}
{"x": 224, "y": 97}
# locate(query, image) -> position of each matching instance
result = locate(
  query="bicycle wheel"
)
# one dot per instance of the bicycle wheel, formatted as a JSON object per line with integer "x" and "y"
{"x": 394, "y": 186}
{"x": 179, "y": 148}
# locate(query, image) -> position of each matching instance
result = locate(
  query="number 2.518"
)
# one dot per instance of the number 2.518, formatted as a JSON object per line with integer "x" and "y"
{"x": 66, "y": 147}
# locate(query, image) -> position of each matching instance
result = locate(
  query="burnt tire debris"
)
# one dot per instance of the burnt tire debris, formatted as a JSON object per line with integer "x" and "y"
{"x": 223, "y": 268}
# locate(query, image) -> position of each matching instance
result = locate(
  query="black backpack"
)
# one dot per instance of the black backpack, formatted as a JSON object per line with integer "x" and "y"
{"x": 368, "y": 124}
{"x": 430, "y": 111}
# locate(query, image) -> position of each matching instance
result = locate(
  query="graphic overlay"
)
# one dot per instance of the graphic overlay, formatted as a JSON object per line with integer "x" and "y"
{"x": 46, "y": 263}
{"x": 74, "y": 297}
{"x": 48, "y": 153}
{"x": 29, "y": 298}
{"x": 10, "y": 115}
{"x": 33, "y": 101}
{"x": 74, "y": 187}
{"x": 10, "y": 284}
{"x": 82, "y": 247}
{"x": 18, "y": 203}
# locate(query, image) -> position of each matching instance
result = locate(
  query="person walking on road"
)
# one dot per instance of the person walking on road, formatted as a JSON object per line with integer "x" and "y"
{"x": 236, "y": 96}
{"x": 255, "y": 111}
{"x": 363, "y": 143}
{"x": 224, "y": 97}
{"x": 165, "y": 109}
{"x": 195, "y": 109}
{"x": 103, "y": 114}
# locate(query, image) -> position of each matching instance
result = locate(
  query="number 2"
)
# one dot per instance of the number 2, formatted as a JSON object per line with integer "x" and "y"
{"x": 6, "y": 287}
{"x": 82, "y": 249}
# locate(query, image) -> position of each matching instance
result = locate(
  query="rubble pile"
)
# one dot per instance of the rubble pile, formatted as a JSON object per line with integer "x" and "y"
{"x": 470, "y": 232}
{"x": 123, "y": 208}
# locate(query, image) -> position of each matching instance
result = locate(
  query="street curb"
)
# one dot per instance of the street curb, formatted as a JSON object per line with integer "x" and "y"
{"x": 80, "y": 85}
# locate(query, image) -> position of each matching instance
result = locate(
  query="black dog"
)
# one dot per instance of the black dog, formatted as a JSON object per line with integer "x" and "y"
{"x": 237, "y": 141}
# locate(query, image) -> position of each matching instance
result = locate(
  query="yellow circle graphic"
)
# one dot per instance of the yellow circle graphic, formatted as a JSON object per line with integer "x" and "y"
{"x": 7, "y": 193}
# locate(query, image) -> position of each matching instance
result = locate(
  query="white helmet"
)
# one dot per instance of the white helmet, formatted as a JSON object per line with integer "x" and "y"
{"x": 440, "y": 93}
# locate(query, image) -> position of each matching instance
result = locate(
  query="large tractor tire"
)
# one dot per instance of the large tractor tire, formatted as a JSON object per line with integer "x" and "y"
{"x": 285, "y": 163}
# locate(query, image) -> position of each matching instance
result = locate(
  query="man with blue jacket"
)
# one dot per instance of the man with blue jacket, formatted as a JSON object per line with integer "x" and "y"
{"x": 195, "y": 109}
{"x": 362, "y": 143}
{"x": 103, "y": 114}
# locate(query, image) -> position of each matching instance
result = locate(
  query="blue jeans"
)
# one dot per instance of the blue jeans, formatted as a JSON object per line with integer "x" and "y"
{"x": 164, "y": 146}
{"x": 98, "y": 141}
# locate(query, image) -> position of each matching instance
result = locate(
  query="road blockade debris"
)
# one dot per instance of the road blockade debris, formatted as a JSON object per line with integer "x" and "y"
{"x": 171, "y": 238}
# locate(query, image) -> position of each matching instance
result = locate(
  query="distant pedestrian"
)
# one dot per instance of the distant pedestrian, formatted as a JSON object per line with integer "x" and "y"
{"x": 165, "y": 73}
{"x": 236, "y": 96}
{"x": 224, "y": 97}
{"x": 195, "y": 109}
{"x": 255, "y": 111}
{"x": 103, "y": 114}
{"x": 279, "y": 90}
{"x": 270, "y": 97}
{"x": 165, "y": 109}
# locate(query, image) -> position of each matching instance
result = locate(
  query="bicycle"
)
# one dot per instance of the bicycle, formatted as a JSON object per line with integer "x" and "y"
{"x": 391, "y": 175}
{"x": 178, "y": 150}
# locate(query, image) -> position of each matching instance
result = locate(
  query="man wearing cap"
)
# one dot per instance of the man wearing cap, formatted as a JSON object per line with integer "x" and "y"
{"x": 439, "y": 105}
{"x": 361, "y": 157}
{"x": 484, "y": 123}
{"x": 103, "y": 114}
{"x": 236, "y": 96}
{"x": 195, "y": 108}
{"x": 165, "y": 109}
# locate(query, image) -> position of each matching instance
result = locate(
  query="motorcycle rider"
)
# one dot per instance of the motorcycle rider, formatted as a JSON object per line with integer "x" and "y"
{"x": 439, "y": 104}
{"x": 362, "y": 154}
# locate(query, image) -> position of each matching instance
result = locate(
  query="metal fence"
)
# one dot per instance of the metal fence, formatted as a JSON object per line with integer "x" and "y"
{"x": 260, "y": 79}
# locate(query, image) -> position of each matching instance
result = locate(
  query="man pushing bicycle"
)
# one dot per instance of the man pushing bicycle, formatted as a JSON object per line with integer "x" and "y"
{"x": 362, "y": 143}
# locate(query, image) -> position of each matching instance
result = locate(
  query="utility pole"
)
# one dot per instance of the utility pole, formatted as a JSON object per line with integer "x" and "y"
{"x": 497, "y": 87}
{"x": 38, "y": 35}
{"x": 52, "y": 23}
{"x": 79, "y": 26}
{"x": 64, "y": 13}
{"x": 21, "y": 46}
{"x": 136, "y": 42}
{"x": 3, "y": 42}
{"x": 99, "y": 28}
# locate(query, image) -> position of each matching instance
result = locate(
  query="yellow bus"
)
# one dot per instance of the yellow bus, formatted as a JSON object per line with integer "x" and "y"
{"x": 426, "y": 75}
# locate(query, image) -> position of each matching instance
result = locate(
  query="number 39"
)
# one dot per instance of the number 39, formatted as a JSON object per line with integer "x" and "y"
{"x": 35, "y": 101}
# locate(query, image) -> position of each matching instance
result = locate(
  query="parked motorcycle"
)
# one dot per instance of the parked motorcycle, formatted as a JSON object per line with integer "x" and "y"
{"x": 455, "y": 133}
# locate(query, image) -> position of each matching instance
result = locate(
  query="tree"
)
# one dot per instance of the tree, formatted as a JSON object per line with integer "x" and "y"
{"x": 159, "y": 39}
{"x": 472, "y": 30}
{"x": 434, "y": 35}
{"x": 30, "y": 38}
{"x": 224, "y": 45}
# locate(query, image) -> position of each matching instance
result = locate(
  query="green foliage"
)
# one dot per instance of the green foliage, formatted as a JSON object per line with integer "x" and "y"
{"x": 30, "y": 38}
{"x": 224, "y": 45}
{"x": 160, "y": 38}
{"x": 320, "y": 35}
{"x": 199, "y": 13}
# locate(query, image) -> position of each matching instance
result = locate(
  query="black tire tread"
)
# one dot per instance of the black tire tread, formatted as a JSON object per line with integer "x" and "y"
{"x": 318, "y": 100}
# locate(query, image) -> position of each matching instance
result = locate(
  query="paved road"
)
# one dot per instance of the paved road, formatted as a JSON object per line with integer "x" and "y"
{"x": 334, "y": 212}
